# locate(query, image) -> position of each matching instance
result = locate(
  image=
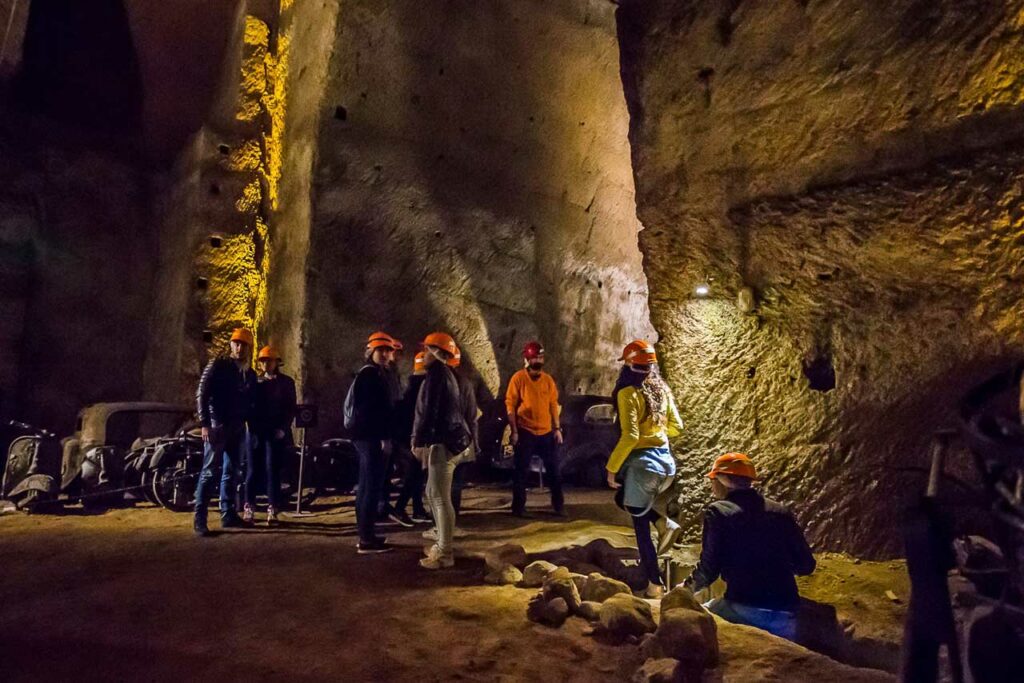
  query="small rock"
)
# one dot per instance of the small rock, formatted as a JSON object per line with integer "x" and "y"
{"x": 892, "y": 596}
{"x": 580, "y": 580}
{"x": 658, "y": 671}
{"x": 559, "y": 584}
{"x": 689, "y": 636}
{"x": 599, "y": 588}
{"x": 624, "y": 615}
{"x": 498, "y": 557}
{"x": 506, "y": 576}
{"x": 589, "y": 610}
{"x": 548, "y": 612}
{"x": 681, "y": 598}
{"x": 533, "y": 575}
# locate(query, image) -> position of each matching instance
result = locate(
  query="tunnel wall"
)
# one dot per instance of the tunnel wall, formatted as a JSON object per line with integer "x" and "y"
{"x": 473, "y": 175}
{"x": 853, "y": 166}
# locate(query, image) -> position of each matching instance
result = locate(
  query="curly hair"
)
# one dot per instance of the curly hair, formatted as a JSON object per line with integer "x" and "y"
{"x": 655, "y": 393}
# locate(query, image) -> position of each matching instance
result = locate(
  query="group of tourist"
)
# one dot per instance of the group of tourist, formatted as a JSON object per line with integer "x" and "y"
{"x": 430, "y": 426}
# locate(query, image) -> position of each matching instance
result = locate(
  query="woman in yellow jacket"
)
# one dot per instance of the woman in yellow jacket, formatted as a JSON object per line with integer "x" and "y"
{"x": 641, "y": 464}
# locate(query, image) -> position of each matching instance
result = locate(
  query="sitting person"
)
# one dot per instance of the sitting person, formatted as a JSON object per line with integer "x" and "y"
{"x": 755, "y": 545}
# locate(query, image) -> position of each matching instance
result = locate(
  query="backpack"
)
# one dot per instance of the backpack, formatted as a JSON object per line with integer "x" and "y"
{"x": 353, "y": 417}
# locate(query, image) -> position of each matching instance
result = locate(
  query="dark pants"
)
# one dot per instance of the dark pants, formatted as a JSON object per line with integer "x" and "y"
{"x": 267, "y": 454}
{"x": 413, "y": 481}
{"x": 545, "y": 447}
{"x": 230, "y": 443}
{"x": 372, "y": 469}
{"x": 644, "y": 543}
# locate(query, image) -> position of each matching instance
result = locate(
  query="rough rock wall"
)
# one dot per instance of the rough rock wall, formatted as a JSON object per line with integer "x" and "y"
{"x": 473, "y": 175}
{"x": 902, "y": 290}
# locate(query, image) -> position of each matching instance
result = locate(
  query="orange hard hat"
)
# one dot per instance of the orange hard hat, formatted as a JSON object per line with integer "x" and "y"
{"x": 733, "y": 464}
{"x": 639, "y": 352}
{"x": 240, "y": 334}
{"x": 379, "y": 340}
{"x": 441, "y": 340}
{"x": 419, "y": 366}
{"x": 398, "y": 344}
{"x": 269, "y": 352}
{"x": 456, "y": 360}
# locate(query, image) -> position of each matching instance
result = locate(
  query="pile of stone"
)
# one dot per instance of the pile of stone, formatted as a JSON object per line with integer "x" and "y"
{"x": 684, "y": 644}
{"x": 564, "y": 593}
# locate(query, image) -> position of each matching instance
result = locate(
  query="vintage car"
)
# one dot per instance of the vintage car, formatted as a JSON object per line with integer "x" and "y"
{"x": 31, "y": 473}
{"x": 588, "y": 428}
{"x": 99, "y": 461}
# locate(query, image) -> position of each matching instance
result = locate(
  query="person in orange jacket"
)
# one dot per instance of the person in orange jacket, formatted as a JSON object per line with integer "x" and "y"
{"x": 533, "y": 419}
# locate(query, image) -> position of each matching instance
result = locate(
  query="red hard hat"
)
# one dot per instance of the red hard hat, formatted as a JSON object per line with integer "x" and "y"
{"x": 532, "y": 350}
{"x": 639, "y": 352}
{"x": 456, "y": 360}
{"x": 441, "y": 340}
{"x": 380, "y": 340}
{"x": 733, "y": 464}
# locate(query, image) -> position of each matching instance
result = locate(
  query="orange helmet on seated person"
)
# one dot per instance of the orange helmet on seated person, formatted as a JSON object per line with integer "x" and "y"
{"x": 734, "y": 465}
{"x": 639, "y": 352}
{"x": 456, "y": 360}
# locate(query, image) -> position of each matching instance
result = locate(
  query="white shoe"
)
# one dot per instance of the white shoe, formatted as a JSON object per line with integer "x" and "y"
{"x": 654, "y": 591}
{"x": 271, "y": 516}
{"x": 668, "y": 533}
{"x": 435, "y": 559}
{"x": 430, "y": 534}
{"x": 247, "y": 514}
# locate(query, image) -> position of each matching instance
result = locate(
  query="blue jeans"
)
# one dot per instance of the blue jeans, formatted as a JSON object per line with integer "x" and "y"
{"x": 267, "y": 454}
{"x": 776, "y": 622}
{"x": 372, "y": 470}
{"x": 230, "y": 443}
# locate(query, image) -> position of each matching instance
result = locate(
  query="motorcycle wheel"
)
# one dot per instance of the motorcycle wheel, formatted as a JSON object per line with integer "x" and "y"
{"x": 174, "y": 488}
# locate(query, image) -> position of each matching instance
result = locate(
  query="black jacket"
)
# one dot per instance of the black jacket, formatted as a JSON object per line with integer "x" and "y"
{"x": 275, "y": 405}
{"x": 755, "y": 545}
{"x": 225, "y": 394}
{"x": 438, "y": 418}
{"x": 467, "y": 399}
{"x": 374, "y": 408}
{"x": 406, "y": 410}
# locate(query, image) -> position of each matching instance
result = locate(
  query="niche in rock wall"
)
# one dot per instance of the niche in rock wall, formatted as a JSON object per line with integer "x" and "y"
{"x": 79, "y": 64}
{"x": 820, "y": 371}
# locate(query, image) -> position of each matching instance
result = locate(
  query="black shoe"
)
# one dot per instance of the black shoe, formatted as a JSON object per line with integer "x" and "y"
{"x": 200, "y": 529}
{"x": 520, "y": 514}
{"x": 421, "y": 518}
{"x": 559, "y": 512}
{"x": 373, "y": 547}
{"x": 231, "y": 521}
{"x": 399, "y": 517}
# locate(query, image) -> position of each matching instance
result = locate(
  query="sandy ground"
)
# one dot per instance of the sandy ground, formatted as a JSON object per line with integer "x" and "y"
{"x": 132, "y": 595}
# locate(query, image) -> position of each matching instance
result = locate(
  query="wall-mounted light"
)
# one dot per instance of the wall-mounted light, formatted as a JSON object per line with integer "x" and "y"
{"x": 703, "y": 288}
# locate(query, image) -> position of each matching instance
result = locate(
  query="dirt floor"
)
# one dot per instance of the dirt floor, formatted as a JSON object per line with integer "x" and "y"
{"x": 132, "y": 595}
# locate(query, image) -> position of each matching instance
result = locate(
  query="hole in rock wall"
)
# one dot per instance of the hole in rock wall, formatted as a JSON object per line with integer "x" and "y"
{"x": 341, "y": 113}
{"x": 820, "y": 374}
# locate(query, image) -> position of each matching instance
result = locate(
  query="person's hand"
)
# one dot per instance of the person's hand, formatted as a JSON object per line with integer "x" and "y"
{"x": 612, "y": 482}
{"x": 279, "y": 434}
{"x": 206, "y": 435}
{"x": 210, "y": 433}
{"x": 513, "y": 438}
{"x": 558, "y": 437}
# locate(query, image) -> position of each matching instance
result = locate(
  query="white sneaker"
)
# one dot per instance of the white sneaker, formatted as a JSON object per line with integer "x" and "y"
{"x": 668, "y": 533}
{"x": 247, "y": 514}
{"x": 435, "y": 559}
{"x": 654, "y": 591}
{"x": 271, "y": 516}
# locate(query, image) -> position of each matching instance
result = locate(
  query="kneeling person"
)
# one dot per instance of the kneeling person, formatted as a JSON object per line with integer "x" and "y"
{"x": 755, "y": 545}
